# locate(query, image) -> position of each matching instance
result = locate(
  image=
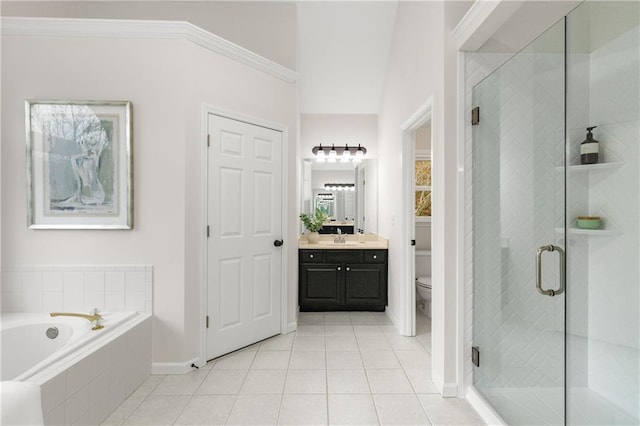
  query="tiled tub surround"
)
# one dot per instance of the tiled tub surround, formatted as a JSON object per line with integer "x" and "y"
{"x": 81, "y": 288}
{"x": 32, "y": 342}
{"x": 86, "y": 386}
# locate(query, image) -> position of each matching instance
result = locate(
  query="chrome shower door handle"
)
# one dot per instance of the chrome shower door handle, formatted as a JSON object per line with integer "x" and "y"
{"x": 561, "y": 268}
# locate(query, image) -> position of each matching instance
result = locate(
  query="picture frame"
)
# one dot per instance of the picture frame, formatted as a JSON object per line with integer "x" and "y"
{"x": 79, "y": 164}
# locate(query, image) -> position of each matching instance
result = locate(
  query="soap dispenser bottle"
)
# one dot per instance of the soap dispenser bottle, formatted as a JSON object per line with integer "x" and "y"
{"x": 589, "y": 149}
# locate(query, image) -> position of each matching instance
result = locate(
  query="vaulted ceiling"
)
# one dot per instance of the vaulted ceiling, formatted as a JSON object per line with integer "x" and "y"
{"x": 343, "y": 48}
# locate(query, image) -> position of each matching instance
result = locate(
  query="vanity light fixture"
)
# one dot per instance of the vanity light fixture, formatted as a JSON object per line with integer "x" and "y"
{"x": 333, "y": 155}
{"x": 347, "y": 153}
{"x": 359, "y": 154}
{"x": 321, "y": 155}
{"x": 340, "y": 186}
{"x": 325, "y": 196}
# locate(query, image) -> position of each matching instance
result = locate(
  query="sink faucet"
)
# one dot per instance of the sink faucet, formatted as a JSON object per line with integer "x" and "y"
{"x": 340, "y": 238}
{"x": 93, "y": 317}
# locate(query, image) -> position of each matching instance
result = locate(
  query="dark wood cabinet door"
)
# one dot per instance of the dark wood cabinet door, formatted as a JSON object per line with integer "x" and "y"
{"x": 321, "y": 284}
{"x": 366, "y": 284}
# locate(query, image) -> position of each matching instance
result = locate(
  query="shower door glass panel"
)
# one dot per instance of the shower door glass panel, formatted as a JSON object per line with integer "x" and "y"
{"x": 603, "y": 273}
{"x": 519, "y": 206}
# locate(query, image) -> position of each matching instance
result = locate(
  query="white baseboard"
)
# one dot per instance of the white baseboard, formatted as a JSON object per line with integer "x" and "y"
{"x": 447, "y": 390}
{"x": 174, "y": 367}
{"x": 291, "y": 327}
{"x": 484, "y": 409}
{"x": 392, "y": 316}
{"x": 437, "y": 381}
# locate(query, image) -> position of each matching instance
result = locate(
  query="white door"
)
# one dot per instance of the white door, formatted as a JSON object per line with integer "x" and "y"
{"x": 244, "y": 277}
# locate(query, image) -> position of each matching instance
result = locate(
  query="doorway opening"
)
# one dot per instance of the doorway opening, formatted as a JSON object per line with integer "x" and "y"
{"x": 417, "y": 137}
{"x": 422, "y": 232}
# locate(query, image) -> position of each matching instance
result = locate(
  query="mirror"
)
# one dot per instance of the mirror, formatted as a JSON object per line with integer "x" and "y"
{"x": 346, "y": 192}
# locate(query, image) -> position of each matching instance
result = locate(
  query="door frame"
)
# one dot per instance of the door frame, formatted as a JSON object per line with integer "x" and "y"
{"x": 206, "y": 110}
{"x": 422, "y": 115}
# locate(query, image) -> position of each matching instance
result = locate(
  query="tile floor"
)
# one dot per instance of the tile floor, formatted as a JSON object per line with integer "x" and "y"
{"x": 338, "y": 368}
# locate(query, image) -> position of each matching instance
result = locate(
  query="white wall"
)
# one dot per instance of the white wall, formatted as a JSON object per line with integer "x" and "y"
{"x": 422, "y": 64}
{"x": 423, "y": 138}
{"x": 266, "y": 28}
{"x": 167, "y": 82}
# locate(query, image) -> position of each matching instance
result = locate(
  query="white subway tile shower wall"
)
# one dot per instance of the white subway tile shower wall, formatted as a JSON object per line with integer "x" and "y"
{"x": 44, "y": 288}
{"x": 613, "y": 294}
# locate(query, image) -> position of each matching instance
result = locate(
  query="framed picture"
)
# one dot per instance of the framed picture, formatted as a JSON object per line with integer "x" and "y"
{"x": 79, "y": 165}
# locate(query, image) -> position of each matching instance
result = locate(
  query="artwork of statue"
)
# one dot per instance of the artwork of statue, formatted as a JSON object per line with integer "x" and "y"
{"x": 80, "y": 162}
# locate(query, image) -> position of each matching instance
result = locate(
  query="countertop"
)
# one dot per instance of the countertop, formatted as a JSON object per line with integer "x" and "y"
{"x": 372, "y": 242}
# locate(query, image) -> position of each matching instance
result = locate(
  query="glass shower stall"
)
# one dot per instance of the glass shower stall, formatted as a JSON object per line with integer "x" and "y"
{"x": 556, "y": 243}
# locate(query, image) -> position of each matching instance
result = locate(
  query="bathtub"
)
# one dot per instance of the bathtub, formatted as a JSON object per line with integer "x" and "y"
{"x": 84, "y": 374}
{"x": 31, "y": 342}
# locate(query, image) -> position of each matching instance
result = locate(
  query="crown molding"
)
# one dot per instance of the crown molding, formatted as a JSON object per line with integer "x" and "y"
{"x": 167, "y": 30}
{"x": 481, "y": 21}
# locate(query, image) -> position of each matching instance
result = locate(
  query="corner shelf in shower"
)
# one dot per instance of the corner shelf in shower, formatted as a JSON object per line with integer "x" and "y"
{"x": 595, "y": 167}
{"x": 592, "y": 167}
{"x": 591, "y": 232}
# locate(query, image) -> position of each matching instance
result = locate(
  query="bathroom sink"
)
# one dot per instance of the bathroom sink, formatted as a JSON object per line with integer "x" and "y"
{"x": 348, "y": 243}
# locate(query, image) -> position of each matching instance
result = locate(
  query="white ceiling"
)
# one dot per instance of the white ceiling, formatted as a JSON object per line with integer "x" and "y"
{"x": 343, "y": 48}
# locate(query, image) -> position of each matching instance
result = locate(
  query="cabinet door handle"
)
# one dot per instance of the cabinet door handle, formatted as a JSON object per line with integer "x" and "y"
{"x": 339, "y": 268}
{"x": 348, "y": 269}
{"x": 310, "y": 256}
{"x": 375, "y": 256}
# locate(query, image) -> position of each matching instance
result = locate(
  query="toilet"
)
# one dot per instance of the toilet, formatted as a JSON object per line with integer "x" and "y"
{"x": 423, "y": 281}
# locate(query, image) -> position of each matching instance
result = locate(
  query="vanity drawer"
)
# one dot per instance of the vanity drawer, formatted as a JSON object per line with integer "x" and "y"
{"x": 375, "y": 256}
{"x": 311, "y": 256}
{"x": 344, "y": 256}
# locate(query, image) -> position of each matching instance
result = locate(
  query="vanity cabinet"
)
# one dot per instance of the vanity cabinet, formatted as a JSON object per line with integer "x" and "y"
{"x": 342, "y": 280}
